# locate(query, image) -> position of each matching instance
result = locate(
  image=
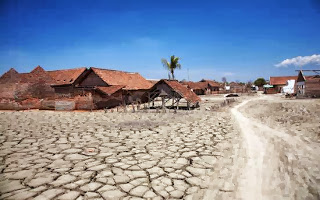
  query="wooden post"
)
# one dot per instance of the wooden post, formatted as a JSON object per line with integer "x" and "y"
{"x": 148, "y": 100}
{"x": 133, "y": 108}
{"x": 178, "y": 104}
{"x": 188, "y": 105}
{"x": 173, "y": 99}
{"x": 162, "y": 103}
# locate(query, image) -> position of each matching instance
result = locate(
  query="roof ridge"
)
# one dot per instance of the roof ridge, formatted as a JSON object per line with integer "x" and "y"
{"x": 115, "y": 70}
{"x": 66, "y": 69}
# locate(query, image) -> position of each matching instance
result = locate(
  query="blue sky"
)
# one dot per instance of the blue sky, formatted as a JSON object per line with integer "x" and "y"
{"x": 241, "y": 40}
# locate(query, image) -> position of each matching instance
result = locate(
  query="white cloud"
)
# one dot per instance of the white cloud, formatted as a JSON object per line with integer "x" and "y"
{"x": 300, "y": 61}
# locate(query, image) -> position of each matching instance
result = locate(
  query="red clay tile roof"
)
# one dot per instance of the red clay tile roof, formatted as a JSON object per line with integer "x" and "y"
{"x": 10, "y": 76}
{"x": 110, "y": 89}
{"x": 132, "y": 81}
{"x": 186, "y": 93}
{"x": 281, "y": 80}
{"x": 66, "y": 76}
{"x": 211, "y": 83}
{"x": 196, "y": 85}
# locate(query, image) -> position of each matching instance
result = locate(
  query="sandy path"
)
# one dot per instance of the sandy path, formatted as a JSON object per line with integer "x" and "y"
{"x": 266, "y": 175}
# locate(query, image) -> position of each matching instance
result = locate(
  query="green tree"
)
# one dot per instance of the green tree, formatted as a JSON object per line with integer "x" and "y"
{"x": 260, "y": 82}
{"x": 172, "y": 65}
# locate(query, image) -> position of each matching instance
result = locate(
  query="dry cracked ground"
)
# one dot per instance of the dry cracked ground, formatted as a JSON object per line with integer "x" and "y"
{"x": 97, "y": 155}
{"x": 257, "y": 148}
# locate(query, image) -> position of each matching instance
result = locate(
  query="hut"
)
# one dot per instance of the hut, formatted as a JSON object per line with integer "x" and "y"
{"x": 308, "y": 86}
{"x": 174, "y": 91}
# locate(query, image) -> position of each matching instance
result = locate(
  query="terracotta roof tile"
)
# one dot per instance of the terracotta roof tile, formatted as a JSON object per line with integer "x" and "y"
{"x": 281, "y": 80}
{"x": 110, "y": 89}
{"x": 196, "y": 85}
{"x": 66, "y": 76}
{"x": 132, "y": 81}
{"x": 186, "y": 93}
{"x": 212, "y": 83}
{"x": 10, "y": 76}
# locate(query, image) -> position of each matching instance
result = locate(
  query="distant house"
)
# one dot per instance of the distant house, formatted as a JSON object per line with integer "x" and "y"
{"x": 213, "y": 87}
{"x": 199, "y": 88}
{"x": 278, "y": 82}
{"x": 308, "y": 86}
{"x": 235, "y": 87}
{"x": 203, "y": 87}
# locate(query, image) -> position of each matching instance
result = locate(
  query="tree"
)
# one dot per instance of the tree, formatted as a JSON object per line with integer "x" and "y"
{"x": 260, "y": 82}
{"x": 224, "y": 79}
{"x": 172, "y": 65}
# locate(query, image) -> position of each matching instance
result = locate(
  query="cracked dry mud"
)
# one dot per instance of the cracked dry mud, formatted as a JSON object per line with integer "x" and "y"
{"x": 97, "y": 155}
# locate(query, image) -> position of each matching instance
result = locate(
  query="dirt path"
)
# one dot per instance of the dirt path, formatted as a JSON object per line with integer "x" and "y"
{"x": 270, "y": 172}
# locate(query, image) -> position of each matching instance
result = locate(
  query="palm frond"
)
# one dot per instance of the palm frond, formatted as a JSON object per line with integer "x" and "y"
{"x": 165, "y": 63}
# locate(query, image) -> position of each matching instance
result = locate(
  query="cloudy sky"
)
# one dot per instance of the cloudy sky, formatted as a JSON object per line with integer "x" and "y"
{"x": 241, "y": 40}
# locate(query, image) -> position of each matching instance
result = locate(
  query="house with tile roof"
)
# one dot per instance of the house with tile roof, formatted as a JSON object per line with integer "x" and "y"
{"x": 308, "y": 86}
{"x": 203, "y": 87}
{"x": 278, "y": 82}
{"x": 92, "y": 88}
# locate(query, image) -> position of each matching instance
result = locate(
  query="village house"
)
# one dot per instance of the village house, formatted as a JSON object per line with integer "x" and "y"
{"x": 278, "y": 82}
{"x": 69, "y": 89}
{"x": 235, "y": 87}
{"x": 203, "y": 87}
{"x": 308, "y": 86}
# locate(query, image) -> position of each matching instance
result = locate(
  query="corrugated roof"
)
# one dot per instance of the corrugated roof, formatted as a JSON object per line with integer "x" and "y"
{"x": 281, "y": 80}
{"x": 66, "y": 76}
{"x": 131, "y": 81}
{"x": 186, "y": 93}
{"x": 110, "y": 89}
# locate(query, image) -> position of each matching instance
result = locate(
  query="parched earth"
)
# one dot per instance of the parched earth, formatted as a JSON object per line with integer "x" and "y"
{"x": 97, "y": 155}
{"x": 260, "y": 147}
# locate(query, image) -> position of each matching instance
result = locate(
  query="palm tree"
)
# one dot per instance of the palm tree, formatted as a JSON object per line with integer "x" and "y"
{"x": 172, "y": 65}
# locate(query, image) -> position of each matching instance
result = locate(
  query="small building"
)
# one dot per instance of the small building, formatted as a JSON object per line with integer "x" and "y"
{"x": 174, "y": 91}
{"x": 203, "y": 87}
{"x": 235, "y": 87}
{"x": 278, "y": 82}
{"x": 199, "y": 88}
{"x": 308, "y": 86}
{"x": 213, "y": 87}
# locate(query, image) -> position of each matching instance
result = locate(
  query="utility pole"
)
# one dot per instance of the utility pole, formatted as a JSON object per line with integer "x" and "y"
{"x": 188, "y": 75}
